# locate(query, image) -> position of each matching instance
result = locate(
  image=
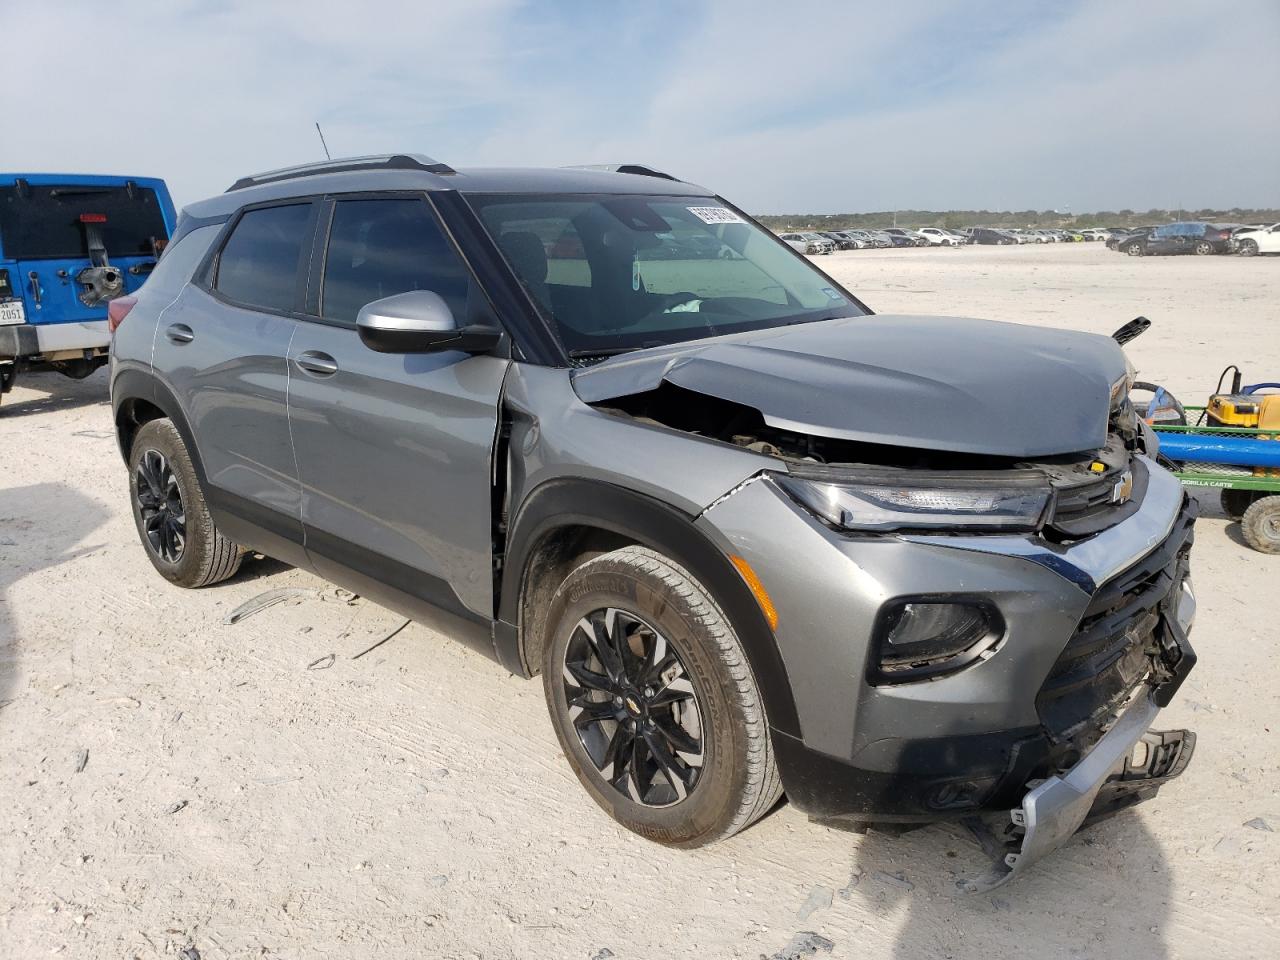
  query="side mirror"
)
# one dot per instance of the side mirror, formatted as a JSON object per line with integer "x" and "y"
{"x": 419, "y": 322}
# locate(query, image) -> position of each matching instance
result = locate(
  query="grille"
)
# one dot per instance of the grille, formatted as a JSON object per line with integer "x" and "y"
{"x": 1083, "y": 509}
{"x": 1109, "y": 653}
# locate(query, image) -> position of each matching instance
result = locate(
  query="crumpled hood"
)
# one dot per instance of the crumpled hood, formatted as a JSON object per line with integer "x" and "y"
{"x": 934, "y": 383}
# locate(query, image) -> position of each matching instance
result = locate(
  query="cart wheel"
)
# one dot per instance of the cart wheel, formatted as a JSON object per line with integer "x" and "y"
{"x": 1261, "y": 524}
{"x": 1236, "y": 502}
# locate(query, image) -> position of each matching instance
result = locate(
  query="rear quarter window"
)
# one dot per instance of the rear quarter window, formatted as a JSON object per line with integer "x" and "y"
{"x": 177, "y": 265}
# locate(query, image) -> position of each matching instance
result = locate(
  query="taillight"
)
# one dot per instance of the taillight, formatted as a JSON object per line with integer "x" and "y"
{"x": 117, "y": 310}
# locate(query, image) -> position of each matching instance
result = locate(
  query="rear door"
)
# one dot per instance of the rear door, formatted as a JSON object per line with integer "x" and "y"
{"x": 221, "y": 348}
{"x": 49, "y": 230}
{"x": 395, "y": 450}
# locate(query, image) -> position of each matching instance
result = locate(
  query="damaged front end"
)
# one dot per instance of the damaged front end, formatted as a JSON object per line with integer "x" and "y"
{"x": 1129, "y": 762}
{"x": 1065, "y": 673}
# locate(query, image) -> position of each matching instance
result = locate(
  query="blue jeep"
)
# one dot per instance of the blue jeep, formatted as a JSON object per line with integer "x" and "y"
{"x": 69, "y": 244}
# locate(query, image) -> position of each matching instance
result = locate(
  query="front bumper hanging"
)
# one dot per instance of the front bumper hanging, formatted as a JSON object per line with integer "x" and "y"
{"x": 1127, "y": 765}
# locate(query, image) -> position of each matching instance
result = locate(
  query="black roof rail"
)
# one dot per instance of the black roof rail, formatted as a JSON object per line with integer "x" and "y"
{"x": 639, "y": 169}
{"x": 385, "y": 161}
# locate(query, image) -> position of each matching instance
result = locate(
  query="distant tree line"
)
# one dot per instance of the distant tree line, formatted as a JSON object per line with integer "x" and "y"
{"x": 956, "y": 219}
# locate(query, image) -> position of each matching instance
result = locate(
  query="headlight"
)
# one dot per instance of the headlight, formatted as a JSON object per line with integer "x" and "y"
{"x": 894, "y": 500}
{"x": 1121, "y": 389}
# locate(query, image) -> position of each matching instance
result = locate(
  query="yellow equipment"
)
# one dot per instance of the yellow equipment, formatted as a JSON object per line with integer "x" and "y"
{"x": 1246, "y": 407}
{"x": 1233, "y": 410}
{"x": 1269, "y": 412}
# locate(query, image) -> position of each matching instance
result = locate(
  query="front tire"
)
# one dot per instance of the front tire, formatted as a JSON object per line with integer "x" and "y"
{"x": 654, "y": 702}
{"x": 1248, "y": 248}
{"x": 1134, "y": 250}
{"x": 169, "y": 510}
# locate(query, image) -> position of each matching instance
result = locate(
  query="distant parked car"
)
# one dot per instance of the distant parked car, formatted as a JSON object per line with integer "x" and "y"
{"x": 796, "y": 242}
{"x": 861, "y": 238}
{"x": 842, "y": 242}
{"x": 1119, "y": 236}
{"x": 1093, "y": 233}
{"x": 1071, "y": 236}
{"x": 879, "y": 238}
{"x": 1177, "y": 238}
{"x": 937, "y": 237}
{"x": 986, "y": 235}
{"x": 1255, "y": 240}
{"x": 897, "y": 238}
{"x": 809, "y": 243}
{"x": 824, "y": 245}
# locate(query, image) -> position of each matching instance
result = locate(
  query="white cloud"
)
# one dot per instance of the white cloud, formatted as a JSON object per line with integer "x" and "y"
{"x": 798, "y": 106}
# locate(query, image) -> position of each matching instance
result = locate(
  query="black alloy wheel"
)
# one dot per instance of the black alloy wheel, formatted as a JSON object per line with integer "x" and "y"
{"x": 633, "y": 707}
{"x": 164, "y": 519}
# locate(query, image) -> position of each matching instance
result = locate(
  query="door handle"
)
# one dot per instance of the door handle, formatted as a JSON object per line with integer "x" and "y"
{"x": 179, "y": 333}
{"x": 321, "y": 364}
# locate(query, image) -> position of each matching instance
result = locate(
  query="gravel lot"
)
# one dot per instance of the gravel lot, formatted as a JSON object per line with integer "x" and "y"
{"x": 169, "y": 781}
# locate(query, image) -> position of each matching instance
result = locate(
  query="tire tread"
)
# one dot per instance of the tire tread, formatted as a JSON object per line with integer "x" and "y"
{"x": 763, "y": 785}
{"x": 220, "y": 556}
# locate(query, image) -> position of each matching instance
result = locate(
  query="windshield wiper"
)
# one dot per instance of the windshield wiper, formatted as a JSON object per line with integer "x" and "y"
{"x": 611, "y": 351}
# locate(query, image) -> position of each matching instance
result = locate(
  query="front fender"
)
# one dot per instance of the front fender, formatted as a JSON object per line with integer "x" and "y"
{"x": 572, "y": 502}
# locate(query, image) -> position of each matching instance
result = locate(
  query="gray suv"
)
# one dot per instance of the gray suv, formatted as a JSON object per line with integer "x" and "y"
{"x": 756, "y": 539}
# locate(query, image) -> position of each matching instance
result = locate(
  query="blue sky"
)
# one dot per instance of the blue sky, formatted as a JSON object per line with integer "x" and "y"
{"x": 782, "y": 107}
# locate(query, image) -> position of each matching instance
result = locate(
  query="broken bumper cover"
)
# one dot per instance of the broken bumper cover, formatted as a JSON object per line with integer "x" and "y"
{"x": 1126, "y": 766}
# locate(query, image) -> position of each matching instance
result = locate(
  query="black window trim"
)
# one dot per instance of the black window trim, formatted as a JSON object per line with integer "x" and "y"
{"x": 206, "y": 275}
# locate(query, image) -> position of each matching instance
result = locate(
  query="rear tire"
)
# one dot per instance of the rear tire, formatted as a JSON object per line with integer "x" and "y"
{"x": 180, "y": 538}
{"x": 1203, "y": 248}
{"x": 1236, "y": 502}
{"x": 1261, "y": 524}
{"x": 706, "y": 699}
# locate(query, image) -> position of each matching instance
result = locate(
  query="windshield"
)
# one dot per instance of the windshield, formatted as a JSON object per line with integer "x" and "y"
{"x": 617, "y": 273}
{"x": 50, "y": 222}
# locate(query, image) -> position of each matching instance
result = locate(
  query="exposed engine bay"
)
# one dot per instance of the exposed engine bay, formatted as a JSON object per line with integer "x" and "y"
{"x": 1092, "y": 488}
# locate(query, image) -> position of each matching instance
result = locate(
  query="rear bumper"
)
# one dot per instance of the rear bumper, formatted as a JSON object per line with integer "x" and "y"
{"x": 18, "y": 340}
{"x": 30, "y": 339}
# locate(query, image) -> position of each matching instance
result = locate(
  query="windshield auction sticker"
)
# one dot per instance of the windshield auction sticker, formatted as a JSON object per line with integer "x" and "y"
{"x": 715, "y": 215}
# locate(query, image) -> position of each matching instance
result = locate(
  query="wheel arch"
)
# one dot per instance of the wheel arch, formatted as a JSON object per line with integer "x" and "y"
{"x": 138, "y": 398}
{"x": 564, "y": 522}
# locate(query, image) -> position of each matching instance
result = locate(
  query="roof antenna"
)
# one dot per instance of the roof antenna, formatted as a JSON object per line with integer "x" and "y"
{"x": 322, "y": 143}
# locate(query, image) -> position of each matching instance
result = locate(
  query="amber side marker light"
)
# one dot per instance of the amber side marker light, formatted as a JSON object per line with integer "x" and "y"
{"x": 757, "y": 589}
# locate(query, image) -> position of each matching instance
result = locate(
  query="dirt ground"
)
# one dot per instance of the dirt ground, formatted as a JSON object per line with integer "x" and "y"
{"x": 168, "y": 781}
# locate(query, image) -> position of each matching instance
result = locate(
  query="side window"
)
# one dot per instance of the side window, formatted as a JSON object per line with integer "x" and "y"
{"x": 178, "y": 263}
{"x": 259, "y": 264}
{"x": 378, "y": 248}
